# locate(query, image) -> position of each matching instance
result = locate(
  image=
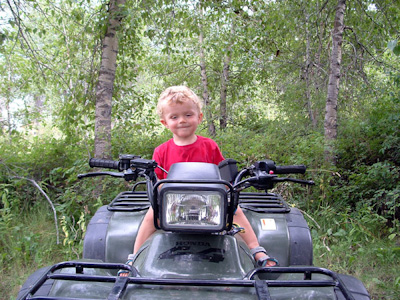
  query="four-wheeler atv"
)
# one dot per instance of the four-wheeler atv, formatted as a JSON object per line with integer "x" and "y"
{"x": 195, "y": 252}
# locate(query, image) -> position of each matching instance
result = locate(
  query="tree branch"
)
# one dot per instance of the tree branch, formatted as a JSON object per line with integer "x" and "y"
{"x": 48, "y": 199}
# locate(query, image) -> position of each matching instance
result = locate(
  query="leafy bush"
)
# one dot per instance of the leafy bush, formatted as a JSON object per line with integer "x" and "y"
{"x": 377, "y": 186}
{"x": 376, "y": 137}
{"x": 350, "y": 205}
{"x": 138, "y": 144}
{"x": 353, "y": 242}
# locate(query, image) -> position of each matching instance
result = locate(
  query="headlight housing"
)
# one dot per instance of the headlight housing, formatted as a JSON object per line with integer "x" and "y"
{"x": 201, "y": 210}
{"x": 193, "y": 198}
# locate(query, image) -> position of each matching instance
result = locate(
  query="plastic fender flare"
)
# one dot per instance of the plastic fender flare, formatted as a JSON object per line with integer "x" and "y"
{"x": 354, "y": 286}
{"x": 94, "y": 244}
{"x": 301, "y": 248}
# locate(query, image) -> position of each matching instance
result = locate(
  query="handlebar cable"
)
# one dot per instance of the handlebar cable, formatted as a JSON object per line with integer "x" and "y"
{"x": 162, "y": 169}
{"x": 149, "y": 188}
{"x": 240, "y": 175}
{"x": 245, "y": 181}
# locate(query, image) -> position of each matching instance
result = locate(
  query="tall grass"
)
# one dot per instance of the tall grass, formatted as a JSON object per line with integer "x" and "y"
{"x": 26, "y": 244}
{"x": 357, "y": 243}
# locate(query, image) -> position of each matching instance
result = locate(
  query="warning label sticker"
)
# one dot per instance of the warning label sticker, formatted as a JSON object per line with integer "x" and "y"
{"x": 268, "y": 224}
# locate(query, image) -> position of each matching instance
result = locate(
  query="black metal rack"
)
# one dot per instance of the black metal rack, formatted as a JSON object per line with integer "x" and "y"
{"x": 130, "y": 201}
{"x": 257, "y": 202}
{"x": 263, "y": 202}
{"x": 121, "y": 283}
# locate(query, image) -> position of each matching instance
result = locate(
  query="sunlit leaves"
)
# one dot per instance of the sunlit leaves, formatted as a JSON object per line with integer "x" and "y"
{"x": 394, "y": 46}
{"x": 54, "y": 51}
{"x": 60, "y": 43}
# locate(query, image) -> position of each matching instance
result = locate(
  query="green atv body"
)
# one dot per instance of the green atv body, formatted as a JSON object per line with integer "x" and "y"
{"x": 183, "y": 265}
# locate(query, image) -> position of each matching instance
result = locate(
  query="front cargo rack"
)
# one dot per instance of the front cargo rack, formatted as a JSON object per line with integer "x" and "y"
{"x": 130, "y": 201}
{"x": 263, "y": 202}
{"x": 257, "y": 202}
{"x": 117, "y": 291}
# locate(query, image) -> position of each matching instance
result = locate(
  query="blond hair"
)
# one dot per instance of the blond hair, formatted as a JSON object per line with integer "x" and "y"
{"x": 177, "y": 95}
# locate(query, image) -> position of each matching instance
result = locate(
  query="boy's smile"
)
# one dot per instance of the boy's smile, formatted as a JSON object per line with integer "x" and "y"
{"x": 182, "y": 119}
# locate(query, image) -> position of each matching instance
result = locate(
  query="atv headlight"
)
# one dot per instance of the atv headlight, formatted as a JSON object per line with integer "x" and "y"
{"x": 199, "y": 210}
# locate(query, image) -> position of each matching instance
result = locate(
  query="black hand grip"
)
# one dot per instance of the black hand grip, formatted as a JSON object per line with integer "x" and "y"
{"x": 103, "y": 163}
{"x": 300, "y": 169}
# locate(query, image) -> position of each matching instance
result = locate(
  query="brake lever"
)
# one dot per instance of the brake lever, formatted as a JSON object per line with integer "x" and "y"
{"x": 261, "y": 180}
{"x": 94, "y": 174}
{"x": 282, "y": 179}
{"x": 128, "y": 175}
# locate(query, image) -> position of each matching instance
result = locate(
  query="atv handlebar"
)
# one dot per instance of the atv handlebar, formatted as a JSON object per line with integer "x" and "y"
{"x": 125, "y": 162}
{"x": 104, "y": 163}
{"x": 269, "y": 167}
{"x": 263, "y": 174}
{"x": 130, "y": 167}
{"x": 296, "y": 169}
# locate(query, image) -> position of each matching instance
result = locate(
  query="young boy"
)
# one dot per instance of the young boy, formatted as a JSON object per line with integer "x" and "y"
{"x": 180, "y": 111}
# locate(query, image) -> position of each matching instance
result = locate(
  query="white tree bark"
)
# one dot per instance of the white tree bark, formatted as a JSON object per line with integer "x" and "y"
{"x": 330, "y": 124}
{"x": 223, "y": 121}
{"x": 105, "y": 85}
{"x": 204, "y": 80}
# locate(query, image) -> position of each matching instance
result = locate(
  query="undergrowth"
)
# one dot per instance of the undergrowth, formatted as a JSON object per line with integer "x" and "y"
{"x": 28, "y": 243}
{"x": 357, "y": 243}
{"x": 352, "y": 210}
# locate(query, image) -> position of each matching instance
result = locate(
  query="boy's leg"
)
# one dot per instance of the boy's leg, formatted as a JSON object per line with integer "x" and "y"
{"x": 249, "y": 236}
{"x": 146, "y": 229}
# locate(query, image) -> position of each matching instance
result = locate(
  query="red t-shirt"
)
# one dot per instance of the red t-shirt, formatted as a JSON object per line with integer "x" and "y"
{"x": 202, "y": 150}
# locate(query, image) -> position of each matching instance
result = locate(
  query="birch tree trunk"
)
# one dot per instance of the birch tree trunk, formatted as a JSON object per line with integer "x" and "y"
{"x": 224, "y": 90}
{"x": 330, "y": 125}
{"x": 203, "y": 73}
{"x": 307, "y": 75}
{"x": 105, "y": 85}
{"x": 225, "y": 81}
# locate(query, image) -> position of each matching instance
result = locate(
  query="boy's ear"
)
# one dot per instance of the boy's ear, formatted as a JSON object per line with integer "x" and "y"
{"x": 200, "y": 117}
{"x": 164, "y": 123}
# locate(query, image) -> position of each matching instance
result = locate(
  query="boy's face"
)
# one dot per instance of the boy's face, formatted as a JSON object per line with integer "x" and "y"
{"x": 182, "y": 119}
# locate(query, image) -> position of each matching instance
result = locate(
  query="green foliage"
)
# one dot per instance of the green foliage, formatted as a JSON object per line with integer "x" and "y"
{"x": 369, "y": 158}
{"x": 352, "y": 242}
{"x": 374, "y": 136}
{"x": 26, "y": 244}
{"x": 74, "y": 232}
{"x": 376, "y": 185}
{"x": 49, "y": 58}
{"x": 342, "y": 209}
{"x": 137, "y": 143}
{"x": 393, "y": 46}
{"x": 246, "y": 149}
